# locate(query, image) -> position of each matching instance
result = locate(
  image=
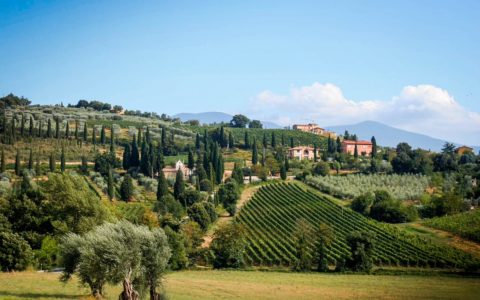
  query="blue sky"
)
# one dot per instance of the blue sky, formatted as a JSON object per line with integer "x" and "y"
{"x": 342, "y": 61}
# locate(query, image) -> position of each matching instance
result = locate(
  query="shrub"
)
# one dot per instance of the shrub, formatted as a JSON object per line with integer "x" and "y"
{"x": 15, "y": 252}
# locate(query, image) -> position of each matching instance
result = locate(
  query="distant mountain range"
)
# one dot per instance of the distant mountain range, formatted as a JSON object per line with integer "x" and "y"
{"x": 216, "y": 117}
{"x": 391, "y": 136}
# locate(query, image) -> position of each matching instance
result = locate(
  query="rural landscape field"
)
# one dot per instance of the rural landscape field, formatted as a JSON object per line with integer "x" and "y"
{"x": 121, "y": 179}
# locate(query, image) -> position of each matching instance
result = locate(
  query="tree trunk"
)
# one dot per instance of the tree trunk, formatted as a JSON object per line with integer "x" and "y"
{"x": 128, "y": 292}
{"x": 153, "y": 294}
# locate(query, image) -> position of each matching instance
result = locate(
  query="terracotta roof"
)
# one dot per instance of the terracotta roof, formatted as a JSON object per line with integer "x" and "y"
{"x": 357, "y": 142}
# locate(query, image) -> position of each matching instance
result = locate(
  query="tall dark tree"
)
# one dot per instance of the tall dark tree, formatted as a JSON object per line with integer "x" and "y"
{"x": 219, "y": 169}
{"x": 273, "y": 142}
{"x": 32, "y": 127}
{"x": 57, "y": 127}
{"x": 126, "y": 157}
{"x": 246, "y": 140}
{"x": 162, "y": 188}
{"x": 292, "y": 144}
{"x": 315, "y": 154}
{"x": 51, "y": 162}
{"x": 339, "y": 145}
{"x": 191, "y": 160}
{"x": 49, "y": 128}
{"x": 355, "y": 151}
{"x": 126, "y": 188}
{"x": 283, "y": 140}
{"x": 22, "y": 126}
{"x": 134, "y": 157}
{"x": 287, "y": 164}
{"x": 84, "y": 165}
{"x": 62, "y": 160}
{"x": 237, "y": 174}
{"x": 30, "y": 160}
{"x": 283, "y": 172}
{"x": 38, "y": 169}
{"x": 197, "y": 142}
{"x": 374, "y": 147}
{"x": 103, "y": 139}
{"x": 254, "y": 152}
{"x": 164, "y": 137}
{"x": 85, "y": 132}
{"x": 40, "y": 128}
{"x": 94, "y": 135}
{"x": 179, "y": 186}
{"x": 112, "y": 141}
{"x": 148, "y": 137}
{"x": 17, "y": 163}
{"x": 3, "y": 166}
{"x": 265, "y": 141}
{"x": 76, "y": 129}
{"x": 324, "y": 236}
{"x": 110, "y": 186}
{"x": 239, "y": 121}
{"x": 67, "y": 130}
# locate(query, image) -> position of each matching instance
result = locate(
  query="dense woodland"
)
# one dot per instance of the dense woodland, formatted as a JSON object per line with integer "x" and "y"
{"x": 80, "y": 183}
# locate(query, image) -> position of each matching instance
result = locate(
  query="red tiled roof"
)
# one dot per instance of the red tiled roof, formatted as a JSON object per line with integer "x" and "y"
{"x": 357, "y": 142}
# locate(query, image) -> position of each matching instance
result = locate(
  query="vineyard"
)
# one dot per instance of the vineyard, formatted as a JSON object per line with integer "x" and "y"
{"x": 402, "y": 187}
{"x": 466, "y": 225}
{"x": 271, "y": 215}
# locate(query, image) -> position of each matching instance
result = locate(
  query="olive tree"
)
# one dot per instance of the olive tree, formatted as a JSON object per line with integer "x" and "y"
{"x": 117, "y": 253}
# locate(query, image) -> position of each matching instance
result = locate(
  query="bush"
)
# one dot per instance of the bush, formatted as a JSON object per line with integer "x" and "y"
{"x": 15, "y": 252}
{"x": 362, "y": 203}
{"x": 205, "y": 185}
{"x": 321, "y": 168}
{"x": 228, "y": 246}
{"x": 228, "y": 195}
{"x": 199, "y": 214}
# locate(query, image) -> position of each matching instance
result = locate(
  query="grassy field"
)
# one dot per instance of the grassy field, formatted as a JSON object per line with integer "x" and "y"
{"x": 257, "y": 285}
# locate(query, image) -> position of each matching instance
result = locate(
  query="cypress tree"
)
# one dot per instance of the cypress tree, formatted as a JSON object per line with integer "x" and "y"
{"x": 292, "y": 144}
{"x": 254, "y": 152}
{"x": 126, "y": 188}
{"x": 191, "y": 160}
{"x": 329, "y": 144}
{"x": 274, "y": 141}
{"x": 265, "y": 141}
{"x": 283, "y": 139}
{"x": 237, "y": 174}
{"x": 283, "y": 172}
{"x": 30, "y": 160}
{"x": 339, "y": 145}
{"x": 205, "y": 140}
{"x": 148, "y": 138}
{"x": 62, "y": 160}
{"x": 14, "y": 130}
{"x": 144, "y": 160}
{"x": 212, "y": 175}
{"x": 57, "y": 127}
{"x": 197, "y": 142}
{"x": 164, "y": 137}
{"x": 52, "y": 162}
{"x": 17, "y": 163}
{"x": 110, "y": 187}
{"x": 40, "y": 128}
{"x": 355, "y": 152}
{"x": 76, "y": 129}
{"x": 126, "y": 157}
{"x": 158, "y": 163}
{"x": 67, "y": 130}
{"x": 315, "y": 158}
{"x": 85, "y": 132}
{"x": 102, "y": 136}
{"x": 374, "y": 147}
{"x": 3, "y": 166}
{"x": 32, "y": 127}
{"x": 134, "y": 157}
{"x": 112, "y": 141}
{"x": 49, "y": 128}
{"x": 140, "y": 141}
{"x": 84, "y": 166}
{"x": 287, "y": 164}
{"x": 162, "y": 189}
{"x": 219, "y": 170}
{"x": 94, "y": 136}
{"x": 246, "y": 140}
{"x": 179, "y": 186}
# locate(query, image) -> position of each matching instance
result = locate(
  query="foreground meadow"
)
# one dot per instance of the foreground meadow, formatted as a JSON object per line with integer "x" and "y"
{"x": 257, "y": 285}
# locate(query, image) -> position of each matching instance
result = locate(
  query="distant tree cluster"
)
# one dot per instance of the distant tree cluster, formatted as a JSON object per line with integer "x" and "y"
{"x": 11, "y": 100}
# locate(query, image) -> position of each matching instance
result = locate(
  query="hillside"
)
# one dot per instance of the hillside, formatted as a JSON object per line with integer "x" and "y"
{"x": 466, "y": 225}
{"x": 216, "y": 117}
{"x": 390, "y": 136}
{"x": 270, "y": 218}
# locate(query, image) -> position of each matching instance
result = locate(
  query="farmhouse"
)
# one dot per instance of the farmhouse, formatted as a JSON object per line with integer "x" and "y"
{"x": 463, "y": 149}
{"x": 313, "y": 128}
{"x": 363, "y": 147}
{"x": 302, "y": 152}
{"x": 171, "y": 172}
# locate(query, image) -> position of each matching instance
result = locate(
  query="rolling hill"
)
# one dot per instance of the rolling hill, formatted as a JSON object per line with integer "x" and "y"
{"x": 216, "y": 117}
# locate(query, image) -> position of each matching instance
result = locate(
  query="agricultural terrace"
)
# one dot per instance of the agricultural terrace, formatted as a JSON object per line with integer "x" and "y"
{"x": 466, "y": 225}
{"x": 271, "y": 215}
{"x": 402, "y": 187}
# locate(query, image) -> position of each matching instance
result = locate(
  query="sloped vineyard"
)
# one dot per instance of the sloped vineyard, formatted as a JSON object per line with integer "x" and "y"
{"x": 271, "y": 215}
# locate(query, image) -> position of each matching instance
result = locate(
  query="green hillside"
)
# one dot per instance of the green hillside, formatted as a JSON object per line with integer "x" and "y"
{"x": 466, "y": 225}
{"x": 271, "y": 215}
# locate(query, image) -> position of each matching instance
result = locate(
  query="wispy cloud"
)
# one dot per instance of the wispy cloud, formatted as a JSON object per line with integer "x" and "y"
{"x": 423, "y": 108}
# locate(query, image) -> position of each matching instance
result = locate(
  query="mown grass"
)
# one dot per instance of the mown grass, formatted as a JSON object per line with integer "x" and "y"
{"x": 257, "y": 285}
